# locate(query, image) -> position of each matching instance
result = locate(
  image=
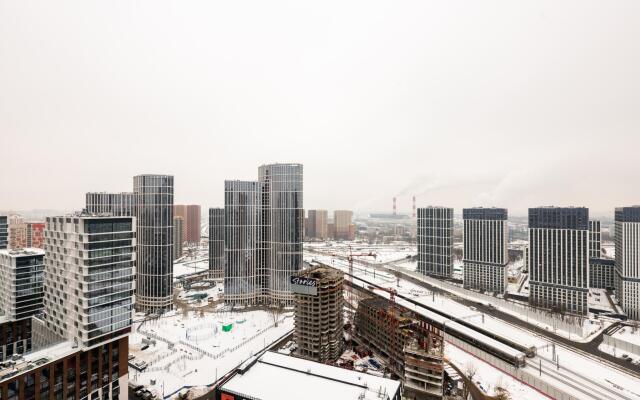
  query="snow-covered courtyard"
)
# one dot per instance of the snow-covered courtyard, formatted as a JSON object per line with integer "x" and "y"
{"x": 195, "y": 348}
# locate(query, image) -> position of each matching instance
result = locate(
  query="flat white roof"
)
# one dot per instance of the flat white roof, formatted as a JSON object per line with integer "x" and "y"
{"x": 276, "y": 376}
{"x": 22, "y": 252}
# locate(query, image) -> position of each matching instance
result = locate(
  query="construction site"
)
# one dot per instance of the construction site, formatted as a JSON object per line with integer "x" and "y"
{"x": 318, "y": 313}
{"x": 411, "y": 349}
{"x": 392, "y": 339}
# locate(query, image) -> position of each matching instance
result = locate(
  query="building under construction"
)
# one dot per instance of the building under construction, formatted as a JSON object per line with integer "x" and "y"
{"x": 319, "y": 303}
{"x": 412, "y": 349}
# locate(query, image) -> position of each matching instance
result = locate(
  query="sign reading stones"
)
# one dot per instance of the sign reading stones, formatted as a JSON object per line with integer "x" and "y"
{"x": 300, "y": 285}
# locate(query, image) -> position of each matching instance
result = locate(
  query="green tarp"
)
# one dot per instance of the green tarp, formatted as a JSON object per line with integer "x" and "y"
{"x": 227, "y": 328}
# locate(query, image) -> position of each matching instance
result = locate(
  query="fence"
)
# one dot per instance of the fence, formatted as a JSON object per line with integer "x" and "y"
{"x": 528, "y": 378}
{"x": 573, "y": 325}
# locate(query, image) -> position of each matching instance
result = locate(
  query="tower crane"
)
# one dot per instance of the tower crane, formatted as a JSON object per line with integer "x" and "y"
{"x": 350, "y": 295}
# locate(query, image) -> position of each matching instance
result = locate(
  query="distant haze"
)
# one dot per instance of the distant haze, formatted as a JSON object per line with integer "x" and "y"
{"x": 461, "y": 103}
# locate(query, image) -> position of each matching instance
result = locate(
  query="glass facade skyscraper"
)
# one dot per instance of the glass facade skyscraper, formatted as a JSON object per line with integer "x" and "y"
{"x": 216, "y": 243}
{"x": 241, "y": 230}
{"x": 154, "y": 215}
{"x": 283, "y": 217}
{"x": 264, "y": 222}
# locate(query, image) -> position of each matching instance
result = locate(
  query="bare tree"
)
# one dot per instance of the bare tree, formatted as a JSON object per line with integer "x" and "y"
{"x": 470, "y": 370}
{"x": 275, "y": 312}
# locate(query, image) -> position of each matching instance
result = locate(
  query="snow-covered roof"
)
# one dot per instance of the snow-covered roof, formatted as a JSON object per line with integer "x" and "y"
{"x": 276, "y": 376}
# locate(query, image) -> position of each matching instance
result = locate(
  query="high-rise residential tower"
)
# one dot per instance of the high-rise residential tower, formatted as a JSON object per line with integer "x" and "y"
{"x": 21, "y": 282}
{"x": 154, "y": 220}
{"x": 559, "y": 258}
{"x": 216, "y": 243}
{"x": 89, "y": 276}
{"x": 317, "y": 224}
{"x": 191, "y": 217}
{"x": 435, "y": 241}
{"x": 178, "y": 239}
{"x": 627, "y": 264}
{"x": 21, "y": 297}
{"x": 4, "y": 232}
{"x": 486, "y": 253}
{"x": 116, "y": 204}
{"x": 595, "y": 249}
{"x": 283, "y": 220}
{"x": 263, "y": 235}
{"x": 342, "y": 223}
{"x": 241, "y": 229}
{"x": 26, "y": 235}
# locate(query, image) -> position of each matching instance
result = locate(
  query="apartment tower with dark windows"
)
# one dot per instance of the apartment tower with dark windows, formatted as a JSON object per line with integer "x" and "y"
{"x": 486, "y": 253}
{"x": 559, "y": 258}
{"x": 21, "y": 294}
{"x": 627, "y": 263}
{"x": 216, "y": 243}
{"x": 435, "y": 241}
{"x": 154, "y": 221}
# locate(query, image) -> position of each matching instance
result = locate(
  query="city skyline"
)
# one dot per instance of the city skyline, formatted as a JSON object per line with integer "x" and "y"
{"x": 510, "y": 106}
{"x": 413, "y": 200}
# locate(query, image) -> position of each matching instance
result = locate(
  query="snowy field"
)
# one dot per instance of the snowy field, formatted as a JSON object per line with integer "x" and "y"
{"x": 487, "y": 377}
{"x": 193, "y": 349}
{"x": 384, "y": 253}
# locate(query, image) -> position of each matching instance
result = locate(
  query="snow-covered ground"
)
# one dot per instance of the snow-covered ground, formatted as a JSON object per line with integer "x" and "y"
{"x": 193, "y": 350}
{"x": 190, "y": 267}
{"x": 598, "y": 299}
{"x": 624, "y": 343}
{"x": 383, "y": 253}
{"x": 488, "y": 378}
{"x": 192, "y": 296}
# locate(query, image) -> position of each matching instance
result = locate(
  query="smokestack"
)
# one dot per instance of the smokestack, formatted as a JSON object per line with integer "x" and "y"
{"x": 394, "y": 206}
{"x": 414, "y": 207}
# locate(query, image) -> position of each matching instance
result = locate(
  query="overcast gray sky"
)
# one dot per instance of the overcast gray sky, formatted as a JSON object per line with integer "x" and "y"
{"x": 462, "y": 103}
